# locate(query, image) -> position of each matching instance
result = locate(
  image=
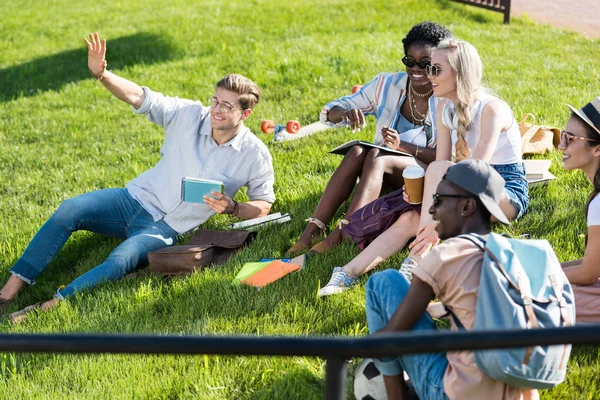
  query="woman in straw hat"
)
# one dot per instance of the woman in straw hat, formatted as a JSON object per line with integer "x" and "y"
{"x": 580, "y": 145}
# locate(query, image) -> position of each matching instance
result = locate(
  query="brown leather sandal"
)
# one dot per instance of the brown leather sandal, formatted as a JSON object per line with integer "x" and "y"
{"x": 322, "y": 246}
{"x": 298, "y": 247}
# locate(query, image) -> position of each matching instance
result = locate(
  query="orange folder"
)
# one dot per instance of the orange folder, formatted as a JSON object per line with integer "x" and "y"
{"x": 269, "y": 274}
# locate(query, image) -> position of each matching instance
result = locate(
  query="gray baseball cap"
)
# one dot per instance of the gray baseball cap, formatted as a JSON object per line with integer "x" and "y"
{"x": 482, "y": 180}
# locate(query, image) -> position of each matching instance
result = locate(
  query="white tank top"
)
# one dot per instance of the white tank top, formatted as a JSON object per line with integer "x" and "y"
{"x": 508, "y": 148}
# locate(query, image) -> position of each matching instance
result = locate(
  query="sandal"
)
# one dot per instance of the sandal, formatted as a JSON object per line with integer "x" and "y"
{"x": 323, "y": 247}
{"x": 298, "y": 247}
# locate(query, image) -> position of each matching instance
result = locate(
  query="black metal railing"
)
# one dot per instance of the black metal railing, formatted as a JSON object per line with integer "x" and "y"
{"x": 335, "y": 350}
{"x": 502, "y": 6}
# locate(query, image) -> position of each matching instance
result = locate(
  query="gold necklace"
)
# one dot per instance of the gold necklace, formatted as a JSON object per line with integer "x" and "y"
{"x": 415, "y": 93}
{"x": 420, "y": 119}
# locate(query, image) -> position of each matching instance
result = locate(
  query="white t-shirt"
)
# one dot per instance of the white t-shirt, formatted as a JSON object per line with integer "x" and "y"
{"x": 593, "y": 216}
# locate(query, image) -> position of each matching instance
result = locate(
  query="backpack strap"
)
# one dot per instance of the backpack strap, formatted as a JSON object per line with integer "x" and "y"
{"x": 479, "y": 242}
{"x": 475, "y": 238}
{"x": 562, "y": 303}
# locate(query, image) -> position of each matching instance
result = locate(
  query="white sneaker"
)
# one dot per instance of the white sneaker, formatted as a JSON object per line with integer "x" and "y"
{"x": 339, "y": 282}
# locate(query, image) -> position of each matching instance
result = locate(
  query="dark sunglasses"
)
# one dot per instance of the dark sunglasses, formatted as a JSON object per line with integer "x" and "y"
{"x": 567, "y": 137}
{"x": 411, "y": 62}
{"x": 437, "y": 196}
{"x": 432, "y": 71}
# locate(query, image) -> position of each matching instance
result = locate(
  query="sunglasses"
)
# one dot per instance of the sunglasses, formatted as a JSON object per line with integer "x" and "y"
{"x": 437, "y": 196}
{"x": 567, "y": 137}
{"x": 432, "y": 71}
{"x": 411, "y": 62}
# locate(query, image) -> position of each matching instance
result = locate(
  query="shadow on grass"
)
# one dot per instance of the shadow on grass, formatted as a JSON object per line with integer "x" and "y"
{"x": 55, "y": 71}
{"x": 300, "y": 383}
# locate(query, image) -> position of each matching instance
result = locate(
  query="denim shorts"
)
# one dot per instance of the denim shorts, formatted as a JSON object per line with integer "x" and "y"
{"x": 516, "y": 187}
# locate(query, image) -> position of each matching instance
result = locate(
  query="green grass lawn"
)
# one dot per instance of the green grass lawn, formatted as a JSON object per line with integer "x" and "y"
{"x": 61, "y": 135}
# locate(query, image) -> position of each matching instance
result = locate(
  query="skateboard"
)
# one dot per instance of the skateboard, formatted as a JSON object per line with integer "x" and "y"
{"x": 292, "y": 129}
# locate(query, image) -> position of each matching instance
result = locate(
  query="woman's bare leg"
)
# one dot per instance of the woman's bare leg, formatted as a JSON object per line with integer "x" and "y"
{"x": 385, "y": 245}
{"x": 377, "y": 167}
{"x": 337, "y": 191}
{"x": 422, "y": 244}
{"x": 433, "y": 177}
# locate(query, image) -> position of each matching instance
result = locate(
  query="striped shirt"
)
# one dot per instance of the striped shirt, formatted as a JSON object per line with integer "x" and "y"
{"x": 382, "y": 98}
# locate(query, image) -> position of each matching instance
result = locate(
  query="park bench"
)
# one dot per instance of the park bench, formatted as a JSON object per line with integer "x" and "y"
{"x": 502, "y": 6}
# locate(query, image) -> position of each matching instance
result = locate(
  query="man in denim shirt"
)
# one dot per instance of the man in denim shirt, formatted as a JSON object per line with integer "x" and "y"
{"x": 206, "y": 142}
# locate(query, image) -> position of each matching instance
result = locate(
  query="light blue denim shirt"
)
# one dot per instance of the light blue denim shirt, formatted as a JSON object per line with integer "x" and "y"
{"x": 190, "y": 150}
{"x": 382, "y": 98}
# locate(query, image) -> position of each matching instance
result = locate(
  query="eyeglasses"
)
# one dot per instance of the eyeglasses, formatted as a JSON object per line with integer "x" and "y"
{"x": 566, "y": 137}
{"x": 432, "y": 71}
{"x": 437, "y": 196}
{"x": 411, "y": 62}
{"x": 224, "y": 107}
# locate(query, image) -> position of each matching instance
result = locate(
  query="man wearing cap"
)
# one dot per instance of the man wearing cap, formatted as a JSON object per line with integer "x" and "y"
{"x": 465, "y": 199}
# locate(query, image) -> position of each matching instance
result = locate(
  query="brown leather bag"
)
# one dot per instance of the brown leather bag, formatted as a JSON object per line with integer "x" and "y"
{"x": 204, "y": 248}
{"x": 536, "y": 139}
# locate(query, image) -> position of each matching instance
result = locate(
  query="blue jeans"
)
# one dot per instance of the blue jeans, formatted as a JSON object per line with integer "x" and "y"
{"x": 385, "y": 292}
{"x": 111, "y": 212}
{"x": 516, "y": 187}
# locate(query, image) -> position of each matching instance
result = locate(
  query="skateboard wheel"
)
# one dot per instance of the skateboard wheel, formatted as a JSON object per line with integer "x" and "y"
{"x": 292, "y": 126}
{"x": 356, "y": 88}
{"x": 267, "y": 126}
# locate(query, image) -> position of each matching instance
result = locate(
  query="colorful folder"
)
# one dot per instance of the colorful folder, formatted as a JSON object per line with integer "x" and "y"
{"x": 260, "y": 274}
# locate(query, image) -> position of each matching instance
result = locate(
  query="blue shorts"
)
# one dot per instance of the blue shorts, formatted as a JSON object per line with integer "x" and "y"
{"x": 516, "y": 187}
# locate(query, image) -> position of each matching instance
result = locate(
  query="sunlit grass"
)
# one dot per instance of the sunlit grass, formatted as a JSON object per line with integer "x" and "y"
{"x": 62, "y": 135}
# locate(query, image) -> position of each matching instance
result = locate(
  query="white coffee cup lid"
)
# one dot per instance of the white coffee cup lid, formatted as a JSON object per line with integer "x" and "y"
{"x": 413, "y": 172}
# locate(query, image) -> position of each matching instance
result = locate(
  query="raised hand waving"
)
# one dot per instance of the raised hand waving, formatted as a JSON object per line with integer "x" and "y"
{"x": 96, "y": 55}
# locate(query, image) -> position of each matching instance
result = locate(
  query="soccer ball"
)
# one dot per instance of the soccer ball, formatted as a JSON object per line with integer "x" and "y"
{"x": 368, "y": 382}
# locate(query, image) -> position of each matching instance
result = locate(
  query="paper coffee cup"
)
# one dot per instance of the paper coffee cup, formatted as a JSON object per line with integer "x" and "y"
{"x": 414, "y": 177}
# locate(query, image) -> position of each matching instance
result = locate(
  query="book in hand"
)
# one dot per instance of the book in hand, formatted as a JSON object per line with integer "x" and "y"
{"x": 193, "y": 190}
{"x": 537, "y": 171}
{"x": 343, "y": 149}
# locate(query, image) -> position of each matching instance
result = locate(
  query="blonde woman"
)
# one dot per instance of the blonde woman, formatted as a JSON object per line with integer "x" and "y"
{"x": 471, "y": 124}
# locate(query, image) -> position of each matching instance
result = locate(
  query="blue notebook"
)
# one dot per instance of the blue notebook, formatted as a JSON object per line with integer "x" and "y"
{"x": 194, "y": 189}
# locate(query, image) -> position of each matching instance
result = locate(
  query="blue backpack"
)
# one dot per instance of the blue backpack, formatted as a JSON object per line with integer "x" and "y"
{"x": 522, "y": 286}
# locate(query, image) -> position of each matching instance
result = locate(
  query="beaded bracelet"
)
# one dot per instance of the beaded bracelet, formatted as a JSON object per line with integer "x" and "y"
{"x": 99, "y": 76}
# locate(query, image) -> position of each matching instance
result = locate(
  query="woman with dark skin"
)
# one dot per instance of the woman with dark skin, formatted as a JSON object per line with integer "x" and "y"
{"x": 402, "y": 104}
